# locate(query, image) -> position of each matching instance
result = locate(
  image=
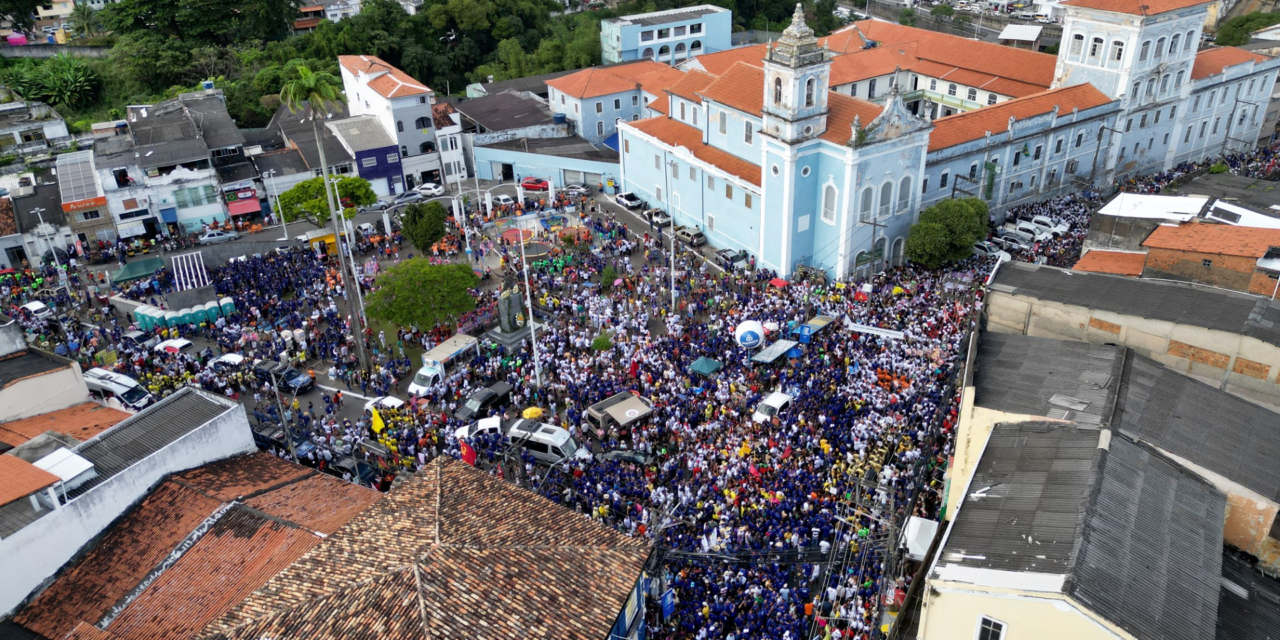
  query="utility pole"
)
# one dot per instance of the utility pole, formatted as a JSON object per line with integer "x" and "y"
{"x": 288, "y": 431}
{"x": 666, "y": 180}
{"x": 284, "y": 226}
{"x": 528, "y": 297}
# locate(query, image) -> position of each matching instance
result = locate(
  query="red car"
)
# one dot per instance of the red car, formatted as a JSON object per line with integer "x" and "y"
{"x": 534, "y": 184}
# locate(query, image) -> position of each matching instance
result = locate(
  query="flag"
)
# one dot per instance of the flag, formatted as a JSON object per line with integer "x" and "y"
{"x": 378, "y": 424}
{"x": 753, "y": 470}
{"x": 468, "y": 454}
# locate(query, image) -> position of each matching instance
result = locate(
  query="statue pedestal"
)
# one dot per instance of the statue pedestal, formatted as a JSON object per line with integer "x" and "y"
{"x": 508, "y": 339}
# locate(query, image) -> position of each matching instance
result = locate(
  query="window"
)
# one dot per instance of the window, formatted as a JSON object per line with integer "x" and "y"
{"x": 1095, "y": 48}
{"x": 711, "y": 182}
{"x": 422, "y": 123}
{"x": 647, "y": 55}
{"x": 657, "y": 162}
{"x": 600, "y": 128}
{"x": 853, "y": 89}
{"x": 1174, "y": 42}
{"x": 1079, "y": 139}
{"x": 1117, "y": 51}
{"x": 1164, "y": 84}
{"x": 626, "y": 146}
{"x": 617, "y": 104}
{"x": 692, "y": 174}
{"x": 1017, "y": 156}
{"x": 1151, "y": 87}
{"x": 635, "y": 101}
{"x": 1137, "y": 89}
{"x": 664, "y": 33}
{"x": 1157, "y": 120}
{"x": 646, "y": 36}
{"x": 1034, "y": 156}
{"x": 973, "y": 95}
{"x": 777, "y": 92}
{"x": 728, "y": 191}
{"x": 1177, "y": 80}
{"x": 991, "y": 98}
{"x": 973, "y": 168}
{"x": 864, "y": 209}
{"x": 695, "y": 117}
{"x": 724, "y": 122}
{"x": 1206, "y": 263}
{"x": 679, "y": 31}
{"x": 1166, "y": 140}
{"x": 1212, "y": 95}
{"x": 942, "y": 180}
{"x": 746, "y": 199}
{"x": 886, "y": 198}
{"x": 399, "y": 126}
{"x": 1057, "y": 147}
{"x": 871, "y": 89}
{"x": 1195, "y": 106}
{"x": 1187, "y": 138}
{"x": 1160, "y": 48}
{"x": 599, "y": 107}
{"x": 682, "y": 114}
{"x": 1215, "y": 125}
{"x": 933, "y": 84}
{"x": 664, "y": 51}
{"x": 904, "y": 194}
{"x": 924, "y": 185}
{"x": 1142, "y": 124}
{"x": 657, "y": 191}
{"x": 989, "y": 629}
{"x": 829, "y": 204}
{"x": 1144, "y": 52}
{"x": 951, "y": 89}
{"x": 392, "y": 157}
{"x": 695, "y": 29}
{"x": 675, "y": 171}
{"x": 1203, "y": 126}
{"x": 711, "y": 223}
{"x": 1077, "y": 44}
{"x": 90, "y": 215}
{"x": 369, "y": 162}
{"x": 1191, "y": 37}
{"x": 746, "y": 132}
{"x": 809, "y": 90}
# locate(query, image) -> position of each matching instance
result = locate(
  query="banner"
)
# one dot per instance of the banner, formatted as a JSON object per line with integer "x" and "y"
{"x": 468, "y": 454}
{"x": 875, "y": 331}
{"x": 378, "y": 424}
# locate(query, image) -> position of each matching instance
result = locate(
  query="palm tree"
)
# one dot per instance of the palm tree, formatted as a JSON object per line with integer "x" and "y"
{"x": 84, "y": 20}
{"x": 319, "y": 95}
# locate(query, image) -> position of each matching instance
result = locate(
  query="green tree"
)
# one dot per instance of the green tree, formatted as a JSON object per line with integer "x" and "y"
{"x": 307, "y": 199}
{"x": 424, "y": 224}
{"x": 1236, "y": 31}
{"x": 929, "y": 244}
{"x": 907, "y": 17}
{"x": 942, "y": 10}
{"x": 318, "y": 94}
{"x": 602, "y": 342}
{"x": 416, "y": 293}
{"x": 84, "y": 20}
{"x": 20, "y": 13}
{"x": 947, "y": 230}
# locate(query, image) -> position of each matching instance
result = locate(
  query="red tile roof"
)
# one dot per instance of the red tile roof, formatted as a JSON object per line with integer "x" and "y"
{"x": 242, "y": 476}
{"x": 982, "y": 57}
{"x": 307, "y": 23}
{"x": 841, "y": 111}
{"x": 846, "y": 40}
{"x": 862, "y": 64}
{"x": 450, "y": 552}
{"x": 19, "y": 479}
{"x": 656, "y": 82}
{"x": 1135, "y": 7}
{"x": 678, "y": 134}
{"x": 240, "y": 552}
{"x": 1219, "y": 239}
{"x": 972, "y": 125}
{"x": 389, "y": 82}
{"x": 603, "y": 81}
{"x": 688, "y": 86}
{"x": 740, "y": 87}
{"x": 633, "y": 70}
{"x": 119, "y": 561}
{"x": 1119, "y": 263}
{"x": 1213, "y": 61}
{"x": 719, "y": 62}
{"x": 442, "y": 114}
{"x": 86, "y": 631}
{"x": 82, "y": 421}
{"x": 319, "y": 502}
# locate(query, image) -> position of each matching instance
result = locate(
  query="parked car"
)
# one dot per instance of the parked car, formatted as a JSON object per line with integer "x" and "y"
{"x": 360, "y": 472}
{"x": 216, "y": 237}
{"x": 503, "y": 200}
{"x": 732, "y": 260}
{"x": 535, "y": 184}
{"x": 690, "y": 236}
{"x": 576, "y": 189}
{"x": 984, "y": 249}
{"x": 773, "y": 404}
{"x": 408, "y": 197}
{"x": 626, "y": 455}
{"x": 1013, "y": 243}
{"x": 483, "y": 426}
{"x": 628, "y": 200}
{"x": 227, "y": 362}
{"x": 384, "y": 403}
{"x": 380, "y": 205}
{"x": 1056, "y": 227}
{"x": 430, "y": 189}
{"x": 290, "y": 379}
{"x": 37, "y": 309}
{"x": 482, "y": 400}
{"x": 139, "y": 339}
{"x": 176, "y": 345}
{"x": 658, "y": 217}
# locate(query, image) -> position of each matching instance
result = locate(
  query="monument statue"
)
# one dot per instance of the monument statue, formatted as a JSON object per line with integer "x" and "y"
{"x": 510, "y": 310}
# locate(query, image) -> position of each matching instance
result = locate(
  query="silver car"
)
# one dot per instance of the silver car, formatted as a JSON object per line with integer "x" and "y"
{"x": 216, "y": 237}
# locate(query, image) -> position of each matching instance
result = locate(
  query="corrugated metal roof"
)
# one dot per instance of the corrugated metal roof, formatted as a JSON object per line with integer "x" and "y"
{"x": 1151, "y": 550}
{"x": 77, "y": 179}
{"x": 1249, "y": 607}
{"x": 1043, "y": 377}
{"x": 133, "y": 440}
{"x": 1170, "y": 301}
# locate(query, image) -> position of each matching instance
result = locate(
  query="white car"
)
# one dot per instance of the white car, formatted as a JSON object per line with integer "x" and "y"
{"x": 215, "y": 237}
{"x": 488, "y": 425}
{"x": 430, "y": 189}
{"x": 502, "y": 201}
{"x": 773, "y": 404}
{"x": 37, "y": 309}
{"x": 176, "y": 345}
{"x": 984, "y": 249}
{"x": 1057, "y": 228}
{"x": 383, "y": 402}
{"x": 227, "y": 361}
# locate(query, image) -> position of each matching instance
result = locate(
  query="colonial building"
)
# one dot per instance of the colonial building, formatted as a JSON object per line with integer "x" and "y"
{"x": 667, "y": 36}
{"x": 402, "y": 106}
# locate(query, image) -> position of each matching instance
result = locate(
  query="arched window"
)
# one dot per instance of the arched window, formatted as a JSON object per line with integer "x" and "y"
{"x": 973, "y": 95}
{"x": 864, "y": 209}
{"x": 648, "y": 53}
{"x": 1191, "y": 38}
{"x": 886, "y": 198}
{"x": 680, "y": 50}
{"x": 809, "y": 91}
{"x": 899, "y": 253}
{"x": 1095, "y": 48}
{"x": 424, "y": 147}
{"x": 399, "y": 126}
{"x": 1174, "y": 42}
{"x": 1077, "y": 44}
{"x": 1177, "y": 81}
{"x": 1164, "y": 84}
{"x": 1137, "y": 89}
{"x": 1117, "y": 51}
{"x": 904, "y": 194}
{"x": 1160, "y": 48}
{"x": 682, "y": 116}
{"x": 1145, "y": 51}
{"x": 695, "y": 48}
{"x": 422, "y": 123}
{"x": 933, "y": 84}
{"x": 664, "y": 52}
{"x": 600, "y": 128}
{"x": 1151, "y": 87}
{"x": 829, "y": 204}
{"x": 777, "y": 90}
{"x": 951, "y": 89}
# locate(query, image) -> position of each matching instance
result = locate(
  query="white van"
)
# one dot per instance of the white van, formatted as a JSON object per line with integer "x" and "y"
{"x": 549, "y": 444}
{"x": 619, "y": 413}
{"x": 436, "y": 362}
{"x": 104, "y": 385}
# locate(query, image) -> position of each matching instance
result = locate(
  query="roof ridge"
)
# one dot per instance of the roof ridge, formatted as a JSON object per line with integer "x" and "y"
{"x": 268, "y": 489}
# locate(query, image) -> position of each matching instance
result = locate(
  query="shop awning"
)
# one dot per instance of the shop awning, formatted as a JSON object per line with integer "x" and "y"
{"x": 774, "y": 351}
{"x": 137, "y": 270}
{"x": 241, "y": 207}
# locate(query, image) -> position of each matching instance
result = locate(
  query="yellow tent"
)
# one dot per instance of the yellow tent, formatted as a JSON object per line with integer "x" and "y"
{"x": 532, "y": 413}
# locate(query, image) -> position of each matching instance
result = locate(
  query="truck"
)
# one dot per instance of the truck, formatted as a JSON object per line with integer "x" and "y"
{"x": 1032, "y": 231}
{"x": 618, "y": 414}
{"x": 436, "y": 362}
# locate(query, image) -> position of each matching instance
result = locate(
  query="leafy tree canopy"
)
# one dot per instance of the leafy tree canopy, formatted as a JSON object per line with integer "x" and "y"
{"x": 1235, "y": 32}
{"x": 416, "y": 293}
{"x": 307, "y": 199}
{"x": 424, "y": 224}
{"x": 947, "y": 230}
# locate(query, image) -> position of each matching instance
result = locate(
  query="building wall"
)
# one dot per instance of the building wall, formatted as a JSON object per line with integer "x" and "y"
{"x": 41, "y": 394}
{"x": 36, "y": 552}
{"x": 596, "y": 126}
{"x": 410, "y": 112}
{"x": 1241, "y": 365}
{"x": 385, "y": 172}
{"x": 621, "y": 41}
{"x": 547, "y": 167}
{"x": 1229, "y": 272}
{"x": 952, "y": 611}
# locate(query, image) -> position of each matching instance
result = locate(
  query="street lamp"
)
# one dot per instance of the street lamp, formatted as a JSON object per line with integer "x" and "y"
{"x": 528, "y": 297}
{"x": 271, "y": 175}
{"x": 673, "y": 166}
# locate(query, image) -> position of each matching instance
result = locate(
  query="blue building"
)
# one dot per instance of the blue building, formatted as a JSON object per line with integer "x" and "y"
{"x": 376, "y": 154}
{"x": 669, "y": 36}
{"x": 596, "y": 99}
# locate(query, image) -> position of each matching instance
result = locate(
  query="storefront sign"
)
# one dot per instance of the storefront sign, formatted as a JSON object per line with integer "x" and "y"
{"x": 81, "y": 205}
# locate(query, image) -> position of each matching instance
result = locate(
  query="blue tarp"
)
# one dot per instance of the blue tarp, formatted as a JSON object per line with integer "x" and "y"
{"x": 612, "y": 142}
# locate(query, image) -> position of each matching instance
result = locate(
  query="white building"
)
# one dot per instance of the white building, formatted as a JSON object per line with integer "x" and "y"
{"x": 403, "y": 107}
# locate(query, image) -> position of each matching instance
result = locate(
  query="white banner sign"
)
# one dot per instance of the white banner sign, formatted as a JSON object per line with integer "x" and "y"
{"x": 875, "y": 331}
